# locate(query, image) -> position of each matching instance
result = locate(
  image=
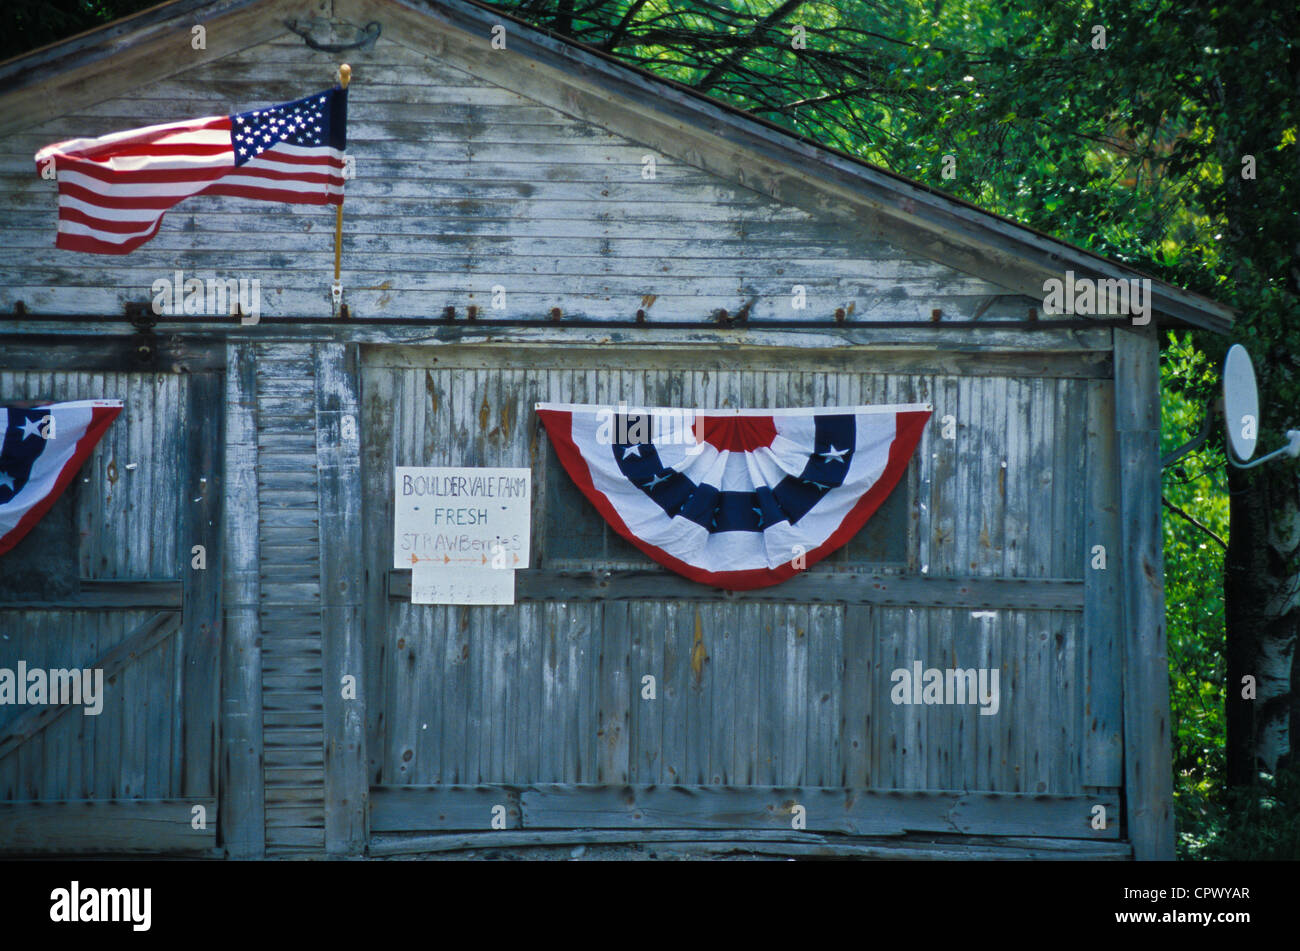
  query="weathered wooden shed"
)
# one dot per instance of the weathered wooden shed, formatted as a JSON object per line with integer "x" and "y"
{"x": 646, "y": 243}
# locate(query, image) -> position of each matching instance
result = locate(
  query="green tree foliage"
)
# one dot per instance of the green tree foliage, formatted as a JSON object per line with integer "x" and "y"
{"x": 1123, "y": 128}
{"x": 28, "y": 24}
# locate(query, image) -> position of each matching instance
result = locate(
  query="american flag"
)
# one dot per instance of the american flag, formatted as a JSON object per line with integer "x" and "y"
{"x": 113, "y": 190}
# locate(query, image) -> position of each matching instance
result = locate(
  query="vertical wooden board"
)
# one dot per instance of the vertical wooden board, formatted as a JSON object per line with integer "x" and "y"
{"x": 149, "y": 694}
{"x": 1103, "y": 598}
{"x": 917, "y": 729}
{"x": 696, "y": 639}
{"x": 993, "y": 650}
{"x": 720, "y": 685}
{"x": 993, "y": 469}
{"x": 1066, "y": 702}
{"x": 31, "y": 763}
{"x": 152, "y": 477}
{"x": 201, "y": 626}
{"x": 94, "y": 489}
{"x": 1069, "y": 463}
{"x": 491, "y": 647}
{"x": 1036, "y": 735}
{"x": 529, "y": 724}
{"x": 242, "y": 815}
{"x": 115, "y": 542}
{"x": 883, "y": 736}
{"x": 965, "y": 450}
{"x": 377, "y": 425}
{"x": 128, "y": 536}
{"x": 550, "y": 722}
{"x": 1036, "y": 686}
{"x": 477, "y": 715}
{"x": 771, "y": 691}
{"x": 9, "y": 772}
{"x": 431, "y": 624}
{"x": 131, "y": 765}
{"x": 45, "y": 780}
{"x": 452, "y": 676}
{"x": 794, "y": 715}
{"x": 645, "y": 734}
{"x": 744, "y": 672}
{"x": 135, "y": 476}
{"x": 962, "y": 651}
{"x": 337, "y": 415}
{"x": 935, "y": 625}
{"x": 1147, "y": 759}
{"x": 1041, "y": 528}
{"x": 614, "y": 696}
{"x": 503, "y": 697}
{"x": 857, "y": 686}
{"x": 110, "y": 722}
{"x": 158, "y": 780}
{"x": 60, "y": 735}
{"x": 581, "y": 630}
{"x": 825, "y": 648}
{"x": 1015, "y": 525}
{"x": 922, "y": 485}
{"x": 749, "y": 684}
{"x": 77, "y": 749}
{"x": 677, "y": 625}
{"x": 406, "y": 697}
{"x": 942, "y": 556}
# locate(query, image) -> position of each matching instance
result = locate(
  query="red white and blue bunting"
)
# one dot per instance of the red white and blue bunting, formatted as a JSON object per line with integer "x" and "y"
{"x": 737, "y": 499}
{"x": 41, "y": 449}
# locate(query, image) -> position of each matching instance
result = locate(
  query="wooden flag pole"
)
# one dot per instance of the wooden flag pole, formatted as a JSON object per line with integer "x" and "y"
{"x": 345, "y": 75}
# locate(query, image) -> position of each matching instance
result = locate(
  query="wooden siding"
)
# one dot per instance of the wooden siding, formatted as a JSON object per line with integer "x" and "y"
{"x": 749, "y": 693}
{"x": 128, "y": 493}
{"x": 127, "y": 521}
{"x": 293, "y": 716}
{"x": 463, "y": 185}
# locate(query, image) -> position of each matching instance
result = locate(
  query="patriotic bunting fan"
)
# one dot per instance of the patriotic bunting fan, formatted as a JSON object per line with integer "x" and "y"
{"x": 41, "y": 449}
{"x": 738, "y": 499}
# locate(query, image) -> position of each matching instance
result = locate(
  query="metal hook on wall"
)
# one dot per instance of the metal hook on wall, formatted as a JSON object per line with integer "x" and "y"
{"x": 366, "y": 34}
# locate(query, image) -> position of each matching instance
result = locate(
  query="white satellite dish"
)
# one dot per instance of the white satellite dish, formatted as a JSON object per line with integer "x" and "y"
{"x": 1240, "y": 402}
{"x": 1241, "y": 412}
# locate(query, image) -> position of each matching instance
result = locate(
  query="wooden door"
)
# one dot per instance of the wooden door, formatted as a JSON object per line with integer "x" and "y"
{"x": 132, "y": 566}
{"x": 615, "y": 694}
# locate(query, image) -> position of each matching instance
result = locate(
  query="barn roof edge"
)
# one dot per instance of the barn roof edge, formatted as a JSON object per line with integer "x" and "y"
{"x": 896, "y": 199}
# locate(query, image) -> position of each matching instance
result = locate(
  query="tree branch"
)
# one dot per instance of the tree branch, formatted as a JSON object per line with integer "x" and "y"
{"x": 1193, "y": 520}
{"x": 754, "y": 39}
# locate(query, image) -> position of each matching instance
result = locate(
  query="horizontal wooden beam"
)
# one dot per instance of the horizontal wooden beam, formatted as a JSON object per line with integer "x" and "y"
{"x": 110, "y": 596}
{"x": 1088, "y": 364}
{"x": 968, "y": 338}
{"x": 450, "y": 808}
{"x": 763, "y": 841}
{"x": 536, "y": 584}
{"x": 142, "y": 640}
{"x": 170, "y": 353}
{"x": 107, "y": 827}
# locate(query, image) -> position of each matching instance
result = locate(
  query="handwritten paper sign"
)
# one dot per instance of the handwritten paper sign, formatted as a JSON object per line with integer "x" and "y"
{"x": 461, "y": 584}
{"x": 468, "y": 517}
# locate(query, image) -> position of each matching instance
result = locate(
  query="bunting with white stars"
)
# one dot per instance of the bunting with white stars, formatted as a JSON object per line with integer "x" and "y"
{"x": 43, "y": 447}
{"x": 737, "y": 499}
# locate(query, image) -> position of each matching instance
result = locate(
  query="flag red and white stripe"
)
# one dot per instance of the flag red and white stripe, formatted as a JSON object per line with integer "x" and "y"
{"x": 114, "y": 190}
